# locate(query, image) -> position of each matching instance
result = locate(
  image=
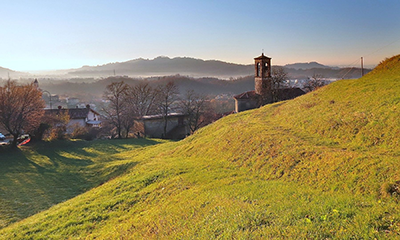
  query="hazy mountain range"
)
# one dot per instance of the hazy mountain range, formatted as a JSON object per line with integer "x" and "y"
{"x": 162, "y": 66}
{"x": 308, "y": 65}
{"x": 6, "y": 72}
{"x": 165, "y": 66}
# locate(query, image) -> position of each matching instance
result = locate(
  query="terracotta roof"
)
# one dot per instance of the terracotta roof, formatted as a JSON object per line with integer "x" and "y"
{"x": 289, "y": 93}
{"x": 282, "y": 94}
{"x": 262, "y": 57}
{"x": 74, "y": 113}
{"x": 247, "y": 95}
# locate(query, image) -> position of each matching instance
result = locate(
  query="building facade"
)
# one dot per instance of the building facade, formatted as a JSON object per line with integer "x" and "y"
{"x": 77, "y": 117}
{"x": 153, "y": 126}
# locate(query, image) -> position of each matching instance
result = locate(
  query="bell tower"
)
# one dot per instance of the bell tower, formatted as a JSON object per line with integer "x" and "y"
{"x": 36, "y": 83}
{"x": 263, "y": 80}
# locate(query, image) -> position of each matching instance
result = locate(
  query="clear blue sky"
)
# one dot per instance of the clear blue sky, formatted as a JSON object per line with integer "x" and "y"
{"x": 60, "y": 34}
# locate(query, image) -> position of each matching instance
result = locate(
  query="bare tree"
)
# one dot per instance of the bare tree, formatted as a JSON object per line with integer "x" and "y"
{"x": 142, "y": 100}
{"x": 116, "y": 94}
{"x": 167, "y": 95}
{"x": 279, "y": 77}
{"x": 127, "y": 122}
{"x": 21, "y": 108}
{"x": 194, "y": 106}
{"x": 315, "y": 82}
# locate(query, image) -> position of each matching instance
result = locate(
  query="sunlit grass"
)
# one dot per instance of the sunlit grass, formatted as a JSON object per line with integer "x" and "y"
{"x": 208, "y": 199}
{"x": 34, "y": 178}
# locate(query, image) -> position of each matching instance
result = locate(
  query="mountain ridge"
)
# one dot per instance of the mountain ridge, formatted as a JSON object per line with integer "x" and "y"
{"x": 193, "y": 67}
{"x": 307, "y": 65}
{"x": 6, "y": 73}
{"x": 163, "y": 65}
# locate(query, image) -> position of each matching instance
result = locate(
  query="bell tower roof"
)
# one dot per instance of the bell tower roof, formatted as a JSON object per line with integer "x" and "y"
{"x": 36, "y": 83}
{"x": 262, "y": 57}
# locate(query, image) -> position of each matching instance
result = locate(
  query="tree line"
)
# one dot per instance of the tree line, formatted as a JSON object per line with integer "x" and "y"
{"x": 22, "y": 107}
{"x": 125, "y": 104}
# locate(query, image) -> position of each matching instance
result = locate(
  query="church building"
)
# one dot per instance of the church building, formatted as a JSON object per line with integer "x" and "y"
{"x": 266, "y": 91}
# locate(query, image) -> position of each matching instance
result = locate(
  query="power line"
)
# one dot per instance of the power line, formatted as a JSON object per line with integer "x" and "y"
{"x": 377, "y": 50}
{"x": 387, "y": 45}
{"x": 350, "y": 68}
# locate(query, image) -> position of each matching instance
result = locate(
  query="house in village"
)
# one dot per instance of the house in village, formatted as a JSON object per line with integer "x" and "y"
{"x": 78, "y": 117}
{"x": 153, "y": 126}
{"x": 265, "y": 91}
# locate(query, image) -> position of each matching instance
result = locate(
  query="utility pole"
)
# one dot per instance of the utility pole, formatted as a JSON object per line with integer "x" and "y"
{"x": 45, "y": 91}
{"x": 362, "y": 66}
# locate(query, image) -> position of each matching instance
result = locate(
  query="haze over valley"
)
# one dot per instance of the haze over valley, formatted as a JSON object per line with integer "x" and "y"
{"x": 186, "y": 66}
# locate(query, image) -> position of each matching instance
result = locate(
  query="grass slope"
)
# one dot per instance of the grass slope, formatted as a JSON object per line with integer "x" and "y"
{"x": 324, "y": 165}
{"x": 35, "y": 178}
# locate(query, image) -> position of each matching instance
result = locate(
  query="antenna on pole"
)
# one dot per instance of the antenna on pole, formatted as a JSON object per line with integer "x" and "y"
{"x": 362, "y": 66}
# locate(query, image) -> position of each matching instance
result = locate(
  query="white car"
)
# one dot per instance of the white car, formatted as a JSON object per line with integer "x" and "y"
{"x": 3, "y": 140}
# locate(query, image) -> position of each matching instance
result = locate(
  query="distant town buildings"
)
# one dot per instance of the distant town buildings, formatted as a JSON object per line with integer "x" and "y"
{"x": 79, "y": 114}
{"x": 78, "y": 117}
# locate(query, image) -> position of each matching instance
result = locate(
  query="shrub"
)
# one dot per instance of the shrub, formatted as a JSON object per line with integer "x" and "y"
{"x": 85, "y": 133}
{"x": 79, "y": 132}
{"x": 57, "y": 133}
{"x": 390, "y": 189}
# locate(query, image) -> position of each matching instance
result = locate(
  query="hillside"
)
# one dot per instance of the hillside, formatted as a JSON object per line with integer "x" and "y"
{"x": 304, "y": 66}
{"x": 38, "y": 177}
{"x": 5, "y": 73}
{"x": 162, "y": 66}
{"x": 322, "y": 166}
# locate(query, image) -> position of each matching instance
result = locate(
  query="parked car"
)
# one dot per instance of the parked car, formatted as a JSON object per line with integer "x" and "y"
{"x": 3, "y": 140}
{"x": 22, "y": 138}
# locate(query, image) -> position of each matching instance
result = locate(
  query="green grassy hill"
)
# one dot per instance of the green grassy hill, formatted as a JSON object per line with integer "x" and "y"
{"x": 322, "y": 166}
{"x": 33, "y": 179}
